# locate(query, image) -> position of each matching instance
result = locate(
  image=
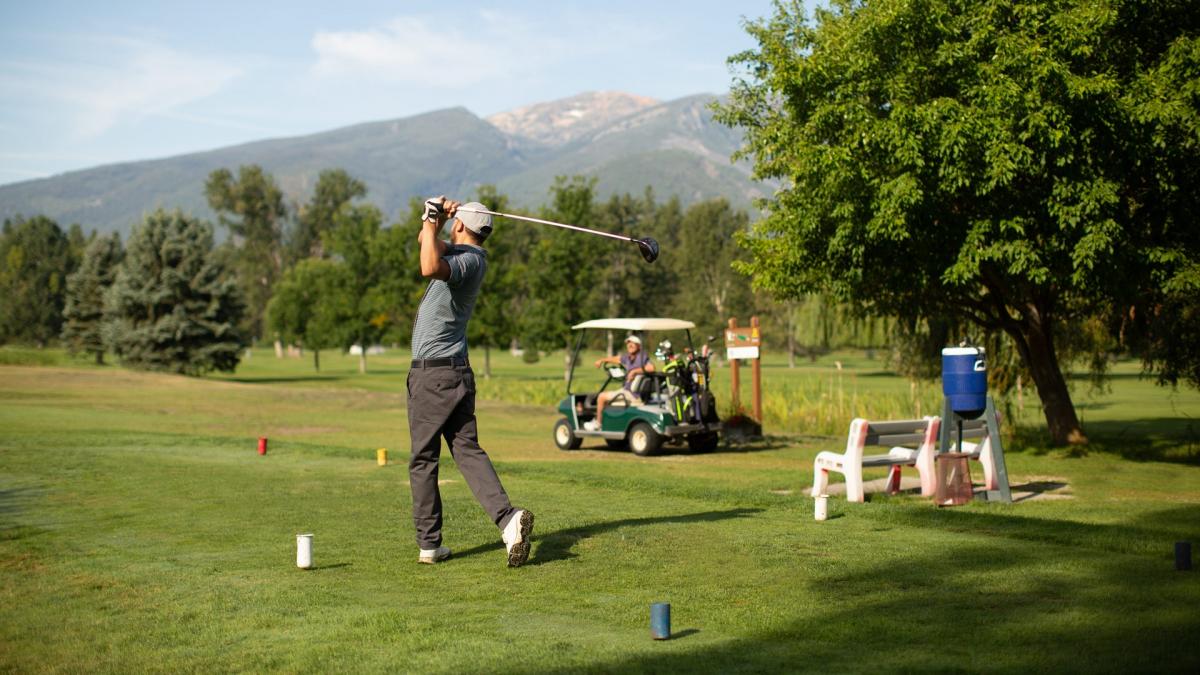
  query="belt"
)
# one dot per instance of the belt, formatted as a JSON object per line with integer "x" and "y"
{"x": 440, "y": 363}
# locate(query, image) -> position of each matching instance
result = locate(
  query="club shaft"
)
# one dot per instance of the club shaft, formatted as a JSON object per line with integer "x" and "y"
{"x": 550, "y": 222}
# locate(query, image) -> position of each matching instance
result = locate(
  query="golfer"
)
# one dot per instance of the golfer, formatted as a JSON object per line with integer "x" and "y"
{"x": 635, "y": 362}
{"x": 441, "y": 385}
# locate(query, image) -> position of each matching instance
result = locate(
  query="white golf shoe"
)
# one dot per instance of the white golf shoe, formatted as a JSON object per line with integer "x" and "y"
{"x": 592, "y": 425}
{"x": 516, "y": 537}
{"x": 431, "y": 556}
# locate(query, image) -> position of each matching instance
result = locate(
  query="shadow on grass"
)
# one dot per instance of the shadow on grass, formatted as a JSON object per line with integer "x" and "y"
{"x": 286, "y": 379}
{"x": 1157, "y": 439}
{"x": 1062, "y": 600}
{"x": 1034, "y": 488}
{"x": 13, "y": 502}
{"x": 554, "y": 546}
{"x": 17, "y": 499}
{"x": 757, "y": 445}
{"x": 761, "y": 444}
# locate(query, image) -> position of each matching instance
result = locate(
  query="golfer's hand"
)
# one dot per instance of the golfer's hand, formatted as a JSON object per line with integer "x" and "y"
{"x": 451, "y": 207}
{"x": 435, "y": 210}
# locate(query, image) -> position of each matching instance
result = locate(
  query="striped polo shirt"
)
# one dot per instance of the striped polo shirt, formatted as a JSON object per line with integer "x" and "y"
{"x": 440, "y": 328}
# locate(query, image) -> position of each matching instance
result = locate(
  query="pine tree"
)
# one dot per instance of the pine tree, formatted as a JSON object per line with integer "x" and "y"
{"x": 84, "y": 311}
{"x": 173, "y": 306}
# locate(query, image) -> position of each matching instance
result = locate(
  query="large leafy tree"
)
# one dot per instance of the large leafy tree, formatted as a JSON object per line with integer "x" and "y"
{"x": 251, "y": 207}
{"x": 172, "y": 306}
{"x": 1019, "y": 166}
{"x": 313, "y": 306}
{"x": 563, "y": 269}
{"x": 373, "y": 260}
{"x": 494, "y": 321}
{"x": 35, "y": 260}
{"x": 86, "y": 288}
{"x": 335, "y": 188}
{"x": 627, "y": 286}
{"x": 710, "y": 290}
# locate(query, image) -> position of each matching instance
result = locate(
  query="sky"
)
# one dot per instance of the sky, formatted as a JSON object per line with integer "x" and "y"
{"x": 90, "y": 83}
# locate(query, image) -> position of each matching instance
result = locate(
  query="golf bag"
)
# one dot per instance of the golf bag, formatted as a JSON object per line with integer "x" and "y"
{"x": 687, "y": 385}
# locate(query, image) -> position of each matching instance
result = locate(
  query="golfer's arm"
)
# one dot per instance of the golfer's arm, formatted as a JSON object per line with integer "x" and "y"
{"x": 432, "y": 250}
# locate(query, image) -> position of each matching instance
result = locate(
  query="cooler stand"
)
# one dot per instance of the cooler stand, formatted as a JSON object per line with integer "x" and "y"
{"x": 952, "y": 423}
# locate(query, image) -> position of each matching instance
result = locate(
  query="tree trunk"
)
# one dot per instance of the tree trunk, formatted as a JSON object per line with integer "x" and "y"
{"x": 1037, "y": 346}
{"x": 487, "y": 361}
{"x": 317, "y": 359}
{"x": 99, "y": 358}
{"x": 362, "y": 361}
{"x": 791, "y": 329}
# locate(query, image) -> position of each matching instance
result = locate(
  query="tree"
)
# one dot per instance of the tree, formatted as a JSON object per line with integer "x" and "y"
{"x": 710, "y": 290}
{"x": 35, "y": 260}
{"x": 251, "y": 207}
{"x": 563, "y": 270}
{"x": 626, "y": 285}
{"x": 356, "y": 240}
{"x": 494, "y": 320}
{"x": 172, "y": 306}
{"x": 335, "y": 188}
{"x": 86, "y": 288}
{"x": 312, "y": 306}
{"x": 1016, "y": 166}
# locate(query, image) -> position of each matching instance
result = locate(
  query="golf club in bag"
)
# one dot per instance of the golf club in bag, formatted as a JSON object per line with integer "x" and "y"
{"x": 647, "y": 245}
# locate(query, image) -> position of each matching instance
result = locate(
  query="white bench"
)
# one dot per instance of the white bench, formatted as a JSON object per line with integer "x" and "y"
{"x": 923, "y": 433}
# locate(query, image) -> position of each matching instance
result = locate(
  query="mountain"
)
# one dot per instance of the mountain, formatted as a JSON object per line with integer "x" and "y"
{"x": 562, "y": 121}
{"x": 626, "y": 141}
{"x": 676, "y": 147}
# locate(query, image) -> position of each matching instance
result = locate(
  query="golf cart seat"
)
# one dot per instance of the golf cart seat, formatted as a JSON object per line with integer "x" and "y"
{"x": 648, "y": 386}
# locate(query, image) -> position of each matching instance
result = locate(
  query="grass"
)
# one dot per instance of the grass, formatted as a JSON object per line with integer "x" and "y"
{"x": 140, "y": 531}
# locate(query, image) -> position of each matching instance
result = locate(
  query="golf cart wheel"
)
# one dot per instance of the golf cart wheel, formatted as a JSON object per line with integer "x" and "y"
{"x": 706, "y": 442}
{"x": 564, "y": 436}
{"x": 643, "y": 439}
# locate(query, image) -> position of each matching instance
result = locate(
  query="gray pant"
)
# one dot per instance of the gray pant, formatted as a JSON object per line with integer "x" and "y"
{"x": 441, "y": 402}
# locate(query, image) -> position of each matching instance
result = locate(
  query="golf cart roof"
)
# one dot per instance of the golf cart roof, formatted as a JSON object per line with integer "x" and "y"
{"x": 636, "y": 324}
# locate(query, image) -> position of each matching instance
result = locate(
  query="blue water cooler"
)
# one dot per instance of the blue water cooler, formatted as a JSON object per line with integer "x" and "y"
{"x": 967, "y": 404}
{"x": 964, "y": 380}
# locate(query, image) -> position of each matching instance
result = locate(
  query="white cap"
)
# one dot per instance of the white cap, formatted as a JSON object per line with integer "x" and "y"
{"x": 479, "y": 223}
{"x": 634, "y": 339}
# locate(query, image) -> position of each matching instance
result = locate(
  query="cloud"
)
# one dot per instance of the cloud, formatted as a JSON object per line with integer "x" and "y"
{"x": 132, "y": 80}
{"x": 412, "y": 50}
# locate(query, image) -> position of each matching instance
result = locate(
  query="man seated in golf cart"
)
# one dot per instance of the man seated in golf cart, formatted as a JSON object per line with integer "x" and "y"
{"x": 635, "y": 362}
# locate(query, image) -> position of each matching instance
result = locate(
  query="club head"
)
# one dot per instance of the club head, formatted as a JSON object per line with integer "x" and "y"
{"x": 649, "y": 249}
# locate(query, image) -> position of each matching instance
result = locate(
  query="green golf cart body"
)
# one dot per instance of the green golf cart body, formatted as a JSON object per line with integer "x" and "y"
{"x": 657, "y": 416}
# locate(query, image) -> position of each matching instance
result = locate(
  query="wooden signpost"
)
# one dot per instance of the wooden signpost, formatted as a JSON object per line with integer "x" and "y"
{"x": 745, "y": 343}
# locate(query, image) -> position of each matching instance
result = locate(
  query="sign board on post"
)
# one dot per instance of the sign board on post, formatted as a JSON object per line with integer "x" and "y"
{"x": 733, "y": 353}
{"x": 745, "y": 343}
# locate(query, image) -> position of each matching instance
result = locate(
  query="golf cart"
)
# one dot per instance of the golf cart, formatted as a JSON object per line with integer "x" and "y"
{"x": 672, "y": 404}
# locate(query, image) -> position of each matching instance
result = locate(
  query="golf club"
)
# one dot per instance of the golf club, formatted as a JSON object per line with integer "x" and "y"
{"x": 647, "y": 245}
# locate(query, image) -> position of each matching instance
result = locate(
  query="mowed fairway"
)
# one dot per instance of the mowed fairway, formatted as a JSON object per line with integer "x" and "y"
{"x": 140, "y": 531}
